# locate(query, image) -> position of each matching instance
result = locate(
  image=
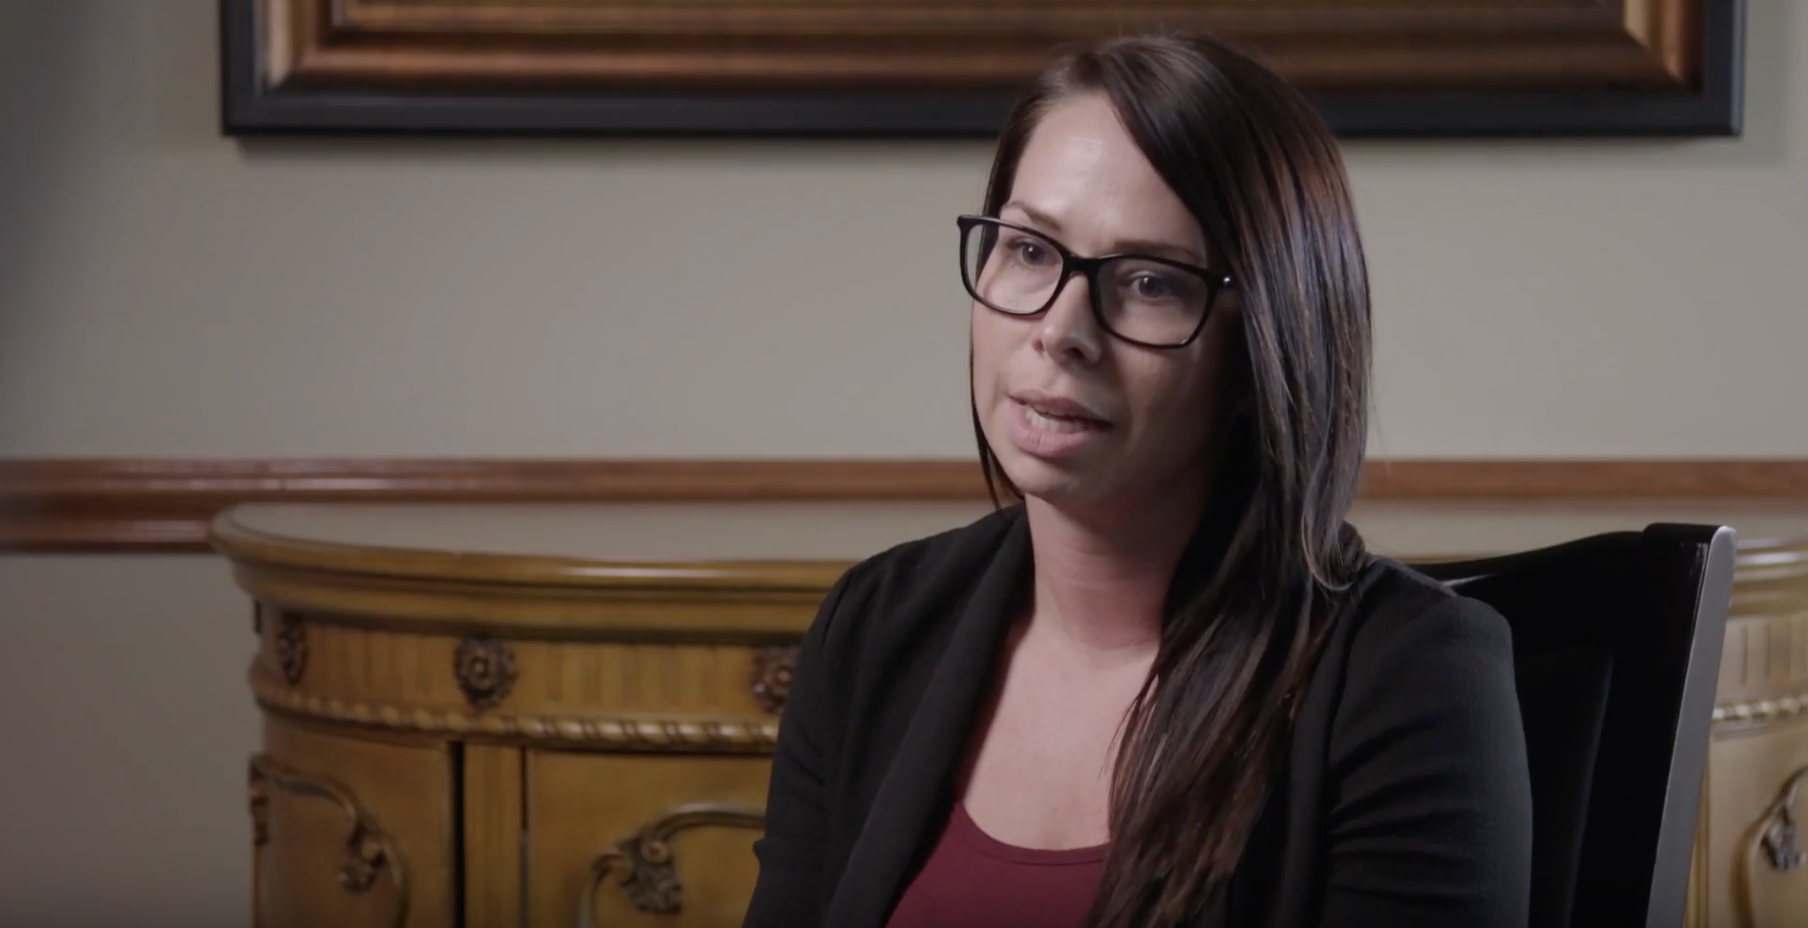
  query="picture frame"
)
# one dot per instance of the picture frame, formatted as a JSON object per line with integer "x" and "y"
{"x": 950, "y": 68}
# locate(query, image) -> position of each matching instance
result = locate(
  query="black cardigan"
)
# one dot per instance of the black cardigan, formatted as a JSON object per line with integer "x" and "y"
{"x": 1404, "y": 801}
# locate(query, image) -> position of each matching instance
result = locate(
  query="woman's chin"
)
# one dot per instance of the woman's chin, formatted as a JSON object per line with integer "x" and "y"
{"x": 1067, "y": 482}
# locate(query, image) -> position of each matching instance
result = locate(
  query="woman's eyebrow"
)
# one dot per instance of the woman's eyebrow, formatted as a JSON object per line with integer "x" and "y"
{"x": 1157, "y": 249}
{"x": 1144, "y": 246}
{"x": 1035, "y": 215}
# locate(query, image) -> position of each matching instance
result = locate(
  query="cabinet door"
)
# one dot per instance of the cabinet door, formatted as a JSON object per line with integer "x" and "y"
{"x": 642, "y": 841}
{"x": 1753, "y": 780}
{"x": 350, "y": 832}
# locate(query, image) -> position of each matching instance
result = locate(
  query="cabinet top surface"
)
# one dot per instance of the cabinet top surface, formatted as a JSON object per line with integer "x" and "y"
{"x": 606, "y": 543}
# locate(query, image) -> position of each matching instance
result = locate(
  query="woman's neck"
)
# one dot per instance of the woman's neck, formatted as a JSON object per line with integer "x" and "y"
{"x": 1101, "y": 582}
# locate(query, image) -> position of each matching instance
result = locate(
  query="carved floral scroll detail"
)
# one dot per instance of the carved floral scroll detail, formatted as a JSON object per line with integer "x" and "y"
{"x": 645, "y": 864}
{"x": 1775, "y": 838}
{"x": 1777, "y": 834}
{"x": 369, "y": 851}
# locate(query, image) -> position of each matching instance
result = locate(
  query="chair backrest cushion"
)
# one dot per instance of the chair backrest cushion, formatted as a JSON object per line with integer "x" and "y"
{"x": 1563, "y": 702}
{"x": 1617, "y": 641}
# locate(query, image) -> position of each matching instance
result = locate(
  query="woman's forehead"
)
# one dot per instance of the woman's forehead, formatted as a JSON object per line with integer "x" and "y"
{"x": 1082, "y": 172}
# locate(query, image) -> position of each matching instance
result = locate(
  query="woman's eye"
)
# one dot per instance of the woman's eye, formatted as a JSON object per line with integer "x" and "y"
{"x": 1151, "y": 287}
{"x": 1027, "y": 251}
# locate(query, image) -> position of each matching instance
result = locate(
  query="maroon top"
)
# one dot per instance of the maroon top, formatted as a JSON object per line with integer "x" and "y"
{"x": 972, "y": 880}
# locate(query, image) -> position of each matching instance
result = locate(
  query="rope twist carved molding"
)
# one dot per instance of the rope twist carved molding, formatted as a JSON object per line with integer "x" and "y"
{"x": 618, "y": 732}
{"x": 1762, "y": 710}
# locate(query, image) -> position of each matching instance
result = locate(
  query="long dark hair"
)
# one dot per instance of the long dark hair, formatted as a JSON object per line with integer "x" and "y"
{"x": 1273, "y": 559}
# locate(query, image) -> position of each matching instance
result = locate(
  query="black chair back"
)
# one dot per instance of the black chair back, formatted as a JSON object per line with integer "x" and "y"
{"x": 1617, "y": 641}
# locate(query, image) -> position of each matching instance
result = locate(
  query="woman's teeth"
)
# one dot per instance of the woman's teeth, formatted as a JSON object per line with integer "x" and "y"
{"x": 1056, "y": 423}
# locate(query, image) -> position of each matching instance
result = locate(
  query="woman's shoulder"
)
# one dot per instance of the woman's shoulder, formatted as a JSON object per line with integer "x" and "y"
{"x": 1401, "y": 608}
{"x": 1411, "y": 757}
{"x": 1417, "y": 654}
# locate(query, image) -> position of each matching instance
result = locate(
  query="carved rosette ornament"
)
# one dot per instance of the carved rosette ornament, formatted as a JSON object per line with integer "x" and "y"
{"x": 485, "y": 669}
{"x": 291, "y": 648}
{"x": 773, "y": 667}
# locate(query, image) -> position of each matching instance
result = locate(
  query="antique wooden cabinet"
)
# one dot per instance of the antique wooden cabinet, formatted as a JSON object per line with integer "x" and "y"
{"x": 512, "y": 736}
{"x": 1748, "y": 854}
{"x": 558, "y": 716}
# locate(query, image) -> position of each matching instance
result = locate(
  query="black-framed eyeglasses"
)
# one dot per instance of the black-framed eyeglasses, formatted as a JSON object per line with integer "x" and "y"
{"x": 1142, "y": 299}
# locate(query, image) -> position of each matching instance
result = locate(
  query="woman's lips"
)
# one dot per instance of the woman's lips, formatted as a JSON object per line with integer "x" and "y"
{"x": 1041, "y": 431}
{"x": 1059, "y": 407}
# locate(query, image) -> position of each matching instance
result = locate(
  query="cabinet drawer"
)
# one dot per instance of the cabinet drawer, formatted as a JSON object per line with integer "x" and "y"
{"x": 350, "y": 832}
{"x": 642, "y": 840}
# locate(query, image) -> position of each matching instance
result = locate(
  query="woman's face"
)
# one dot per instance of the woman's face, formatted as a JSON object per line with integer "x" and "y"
{"x": 1075, "y": 416}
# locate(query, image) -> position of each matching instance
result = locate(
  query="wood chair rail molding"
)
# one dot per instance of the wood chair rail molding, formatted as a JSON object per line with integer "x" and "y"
{"x": 122, "y": 504}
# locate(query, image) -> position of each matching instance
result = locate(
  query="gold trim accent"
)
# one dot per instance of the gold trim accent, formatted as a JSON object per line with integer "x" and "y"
{"x": 368, "y": 850}
{"x": 650, "y": 878}
{"x": 728, "y": 736}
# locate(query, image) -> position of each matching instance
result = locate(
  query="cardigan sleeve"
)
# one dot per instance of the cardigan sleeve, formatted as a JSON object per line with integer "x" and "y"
{"x": 1429, "y": 814}
{"x": 790, "y": 851}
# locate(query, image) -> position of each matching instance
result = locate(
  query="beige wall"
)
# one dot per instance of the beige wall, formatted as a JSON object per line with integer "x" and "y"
{"x": 165, "y": 291}
{"x": 168, "y": 291}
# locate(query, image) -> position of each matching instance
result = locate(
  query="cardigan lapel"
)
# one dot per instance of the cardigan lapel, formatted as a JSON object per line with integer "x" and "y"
{"x": 915, "y": 787}
{"x": 1287, "y": 847}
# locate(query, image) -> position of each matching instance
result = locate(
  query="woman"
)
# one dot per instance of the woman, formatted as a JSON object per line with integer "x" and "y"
{"x": 1167, "y": 685}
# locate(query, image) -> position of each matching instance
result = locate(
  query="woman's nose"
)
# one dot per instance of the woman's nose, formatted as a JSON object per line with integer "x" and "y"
{"x": 1070, "y": 333}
